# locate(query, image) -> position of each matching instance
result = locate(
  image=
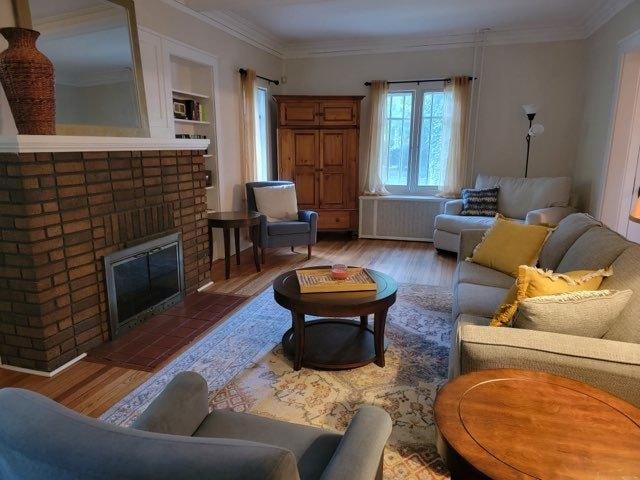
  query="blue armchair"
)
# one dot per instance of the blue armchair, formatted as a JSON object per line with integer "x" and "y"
{"x": 304, "y": 231}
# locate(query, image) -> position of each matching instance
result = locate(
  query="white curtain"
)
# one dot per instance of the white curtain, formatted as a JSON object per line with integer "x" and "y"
{"x": 249, "y": 115}
{"x": 378, "y": 139}
{"x": 455, "y": 137}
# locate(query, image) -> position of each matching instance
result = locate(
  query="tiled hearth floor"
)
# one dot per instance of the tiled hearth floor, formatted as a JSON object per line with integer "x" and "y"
{"x": 148, "y": 345}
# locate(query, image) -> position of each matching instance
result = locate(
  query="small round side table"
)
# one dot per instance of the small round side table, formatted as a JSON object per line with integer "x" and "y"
{"x": 519, "y": 424}
{"x": 236, "y": 220}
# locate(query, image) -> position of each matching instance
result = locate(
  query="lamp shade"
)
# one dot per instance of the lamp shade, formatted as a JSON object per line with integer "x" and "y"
{"x": 635, "y": 211}
{"x": 530, "y": 109}
{"x": 536, "y": 129}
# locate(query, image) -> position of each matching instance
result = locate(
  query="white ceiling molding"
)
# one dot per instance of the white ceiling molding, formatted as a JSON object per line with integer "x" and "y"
{"x": 602, "y": 15}
{"x": 258, "y": 37}
{"x": 238, "y": 29}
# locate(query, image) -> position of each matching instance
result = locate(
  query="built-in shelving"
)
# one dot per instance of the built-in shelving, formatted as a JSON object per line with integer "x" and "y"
{"x": 190, "y": 94}
{"x": 194, "y": 122}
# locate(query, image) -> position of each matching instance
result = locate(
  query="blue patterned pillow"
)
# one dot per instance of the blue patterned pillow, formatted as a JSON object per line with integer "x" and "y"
{"x": 480, "y": 202}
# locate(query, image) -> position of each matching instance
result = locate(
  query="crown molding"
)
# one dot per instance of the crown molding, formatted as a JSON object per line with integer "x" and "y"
{"x": 247, "y": 31}
{"x": 601, "y": 15}
{"x": 231, "y": 25}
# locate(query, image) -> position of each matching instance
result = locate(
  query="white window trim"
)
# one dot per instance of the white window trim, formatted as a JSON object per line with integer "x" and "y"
{"x": 416, "y": 128}
{"x": 264, "y": 85}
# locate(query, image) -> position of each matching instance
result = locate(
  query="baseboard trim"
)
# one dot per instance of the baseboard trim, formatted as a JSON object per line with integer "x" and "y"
{"x": 44, "y": 374}
{"x": 404, "y": 239}
{"x": 205, "y": 286}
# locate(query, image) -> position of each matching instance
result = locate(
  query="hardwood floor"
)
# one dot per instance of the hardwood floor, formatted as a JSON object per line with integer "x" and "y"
{"x": 92, "y": 388}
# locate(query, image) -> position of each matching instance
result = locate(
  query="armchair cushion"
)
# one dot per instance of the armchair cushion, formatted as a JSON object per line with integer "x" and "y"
{"x": 312, "y": 447}
{"x": 287, "y": 228}
{"x": 278, "y": 203}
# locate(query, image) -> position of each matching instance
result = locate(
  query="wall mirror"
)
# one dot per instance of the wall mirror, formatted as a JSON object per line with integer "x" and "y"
{"x": 93, "y": 45}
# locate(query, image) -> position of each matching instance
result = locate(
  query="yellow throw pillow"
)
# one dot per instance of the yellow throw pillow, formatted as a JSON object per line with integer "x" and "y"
{"x": 507, "y": 245}
{"x": 534, "y": 282}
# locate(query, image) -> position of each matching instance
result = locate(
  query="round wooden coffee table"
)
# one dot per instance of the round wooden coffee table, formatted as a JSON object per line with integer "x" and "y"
{"x": 508, "y": 424}
{"x": 335, "y": 343}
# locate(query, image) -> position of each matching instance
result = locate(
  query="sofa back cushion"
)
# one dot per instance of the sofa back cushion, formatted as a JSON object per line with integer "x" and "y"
{"x": 563, "y": 236}
{"x": 626, "y": 274}
{"x": 519, "y": 196}
{"x": 42, "y": 439}
{"x": 597, "y": 248}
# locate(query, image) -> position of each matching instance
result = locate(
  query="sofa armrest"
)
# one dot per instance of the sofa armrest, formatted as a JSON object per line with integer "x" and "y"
{"x": 311, "y": 218}
{"x": 548, "y": 216}
{"x": 469, "y": 240}
{"x": 179, "y": 409}
{"x": 359, "y": 453}
{"x": 453, "y": 207}
{"x": 607, "y": 364}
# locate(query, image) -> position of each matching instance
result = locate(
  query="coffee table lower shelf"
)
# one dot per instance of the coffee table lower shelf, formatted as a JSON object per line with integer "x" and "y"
{"x": 334, "y": 344}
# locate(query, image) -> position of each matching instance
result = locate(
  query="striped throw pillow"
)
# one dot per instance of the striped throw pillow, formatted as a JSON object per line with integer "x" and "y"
{"x": 480, "y": 202}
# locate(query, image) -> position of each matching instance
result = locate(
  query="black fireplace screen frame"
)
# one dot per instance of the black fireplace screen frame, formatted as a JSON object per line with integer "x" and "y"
{"x": 118, "y": 327}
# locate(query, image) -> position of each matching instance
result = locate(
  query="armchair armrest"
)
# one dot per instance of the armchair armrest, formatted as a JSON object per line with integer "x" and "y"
{"x": 359, "y": 453}
{"x": 607, "y": 364}
{"x": 453, "y": 207}
{"x": 469, "y": 240}
{"x": 311, "y": 218}
{"x": 548, "y": 216}
{"x": 179, "y": 409}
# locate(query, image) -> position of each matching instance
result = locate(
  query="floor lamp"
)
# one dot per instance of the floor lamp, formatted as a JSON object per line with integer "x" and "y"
{"x": 537, "y": 129}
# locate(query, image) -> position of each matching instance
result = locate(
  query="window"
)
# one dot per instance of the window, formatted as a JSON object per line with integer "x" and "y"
{"x": 262, "y": 135}
{"x": 414, "y": 160}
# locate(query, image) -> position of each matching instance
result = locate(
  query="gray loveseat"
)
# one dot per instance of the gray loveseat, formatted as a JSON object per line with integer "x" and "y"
{"x": 177, "y": 438}
{"x": 611, "y": 363}
{"x": 543, "y": 200}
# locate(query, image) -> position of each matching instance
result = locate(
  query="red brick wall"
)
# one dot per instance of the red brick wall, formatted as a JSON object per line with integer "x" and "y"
{"x": 60, "y": 214}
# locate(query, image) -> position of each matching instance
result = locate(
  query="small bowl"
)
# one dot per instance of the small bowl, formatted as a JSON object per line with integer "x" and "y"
{"x": 339, "y": 271}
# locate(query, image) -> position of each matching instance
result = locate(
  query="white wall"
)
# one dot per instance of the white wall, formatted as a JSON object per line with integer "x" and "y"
{"x": 601, "y": 78}
{"x": 548, "y": 74}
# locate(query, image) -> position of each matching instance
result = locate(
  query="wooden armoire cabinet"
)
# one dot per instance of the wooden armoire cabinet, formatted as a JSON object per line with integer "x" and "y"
{"x": 318, "y": 139}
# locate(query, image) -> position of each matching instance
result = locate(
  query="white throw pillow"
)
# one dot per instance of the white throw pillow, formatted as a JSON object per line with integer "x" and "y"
{"x": 278, "y": 203}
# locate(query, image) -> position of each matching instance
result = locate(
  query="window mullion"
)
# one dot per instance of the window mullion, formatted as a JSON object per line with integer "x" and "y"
{"x": 416, "y": 122}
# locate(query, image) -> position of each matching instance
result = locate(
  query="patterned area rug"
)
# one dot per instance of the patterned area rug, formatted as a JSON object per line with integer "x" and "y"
{"x": 246, "y": 370}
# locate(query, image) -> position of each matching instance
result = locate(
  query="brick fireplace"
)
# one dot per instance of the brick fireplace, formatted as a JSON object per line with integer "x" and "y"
{"x": 60, "y": 214}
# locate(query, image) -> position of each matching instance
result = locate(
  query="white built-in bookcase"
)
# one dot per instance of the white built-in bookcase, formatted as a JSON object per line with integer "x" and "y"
{"x": 175, "y": 70}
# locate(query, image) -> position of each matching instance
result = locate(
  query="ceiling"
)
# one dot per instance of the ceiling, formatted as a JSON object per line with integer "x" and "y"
{"x": 334, "y": 26}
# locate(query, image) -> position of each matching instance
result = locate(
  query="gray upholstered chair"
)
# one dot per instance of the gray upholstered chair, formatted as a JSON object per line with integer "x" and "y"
{"x": 177, "y": 437}
{"x": 304, "y": 231}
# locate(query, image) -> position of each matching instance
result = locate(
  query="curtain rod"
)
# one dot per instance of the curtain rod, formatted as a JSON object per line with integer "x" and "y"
{"x": 276, "y": 82}
{"x": 430, "y": 80}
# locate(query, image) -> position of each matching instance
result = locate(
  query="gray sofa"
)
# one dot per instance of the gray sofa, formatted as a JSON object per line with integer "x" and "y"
{"x": 578, "y": 243}
{"x": 543, "y": 200}
{"x": 177, "y": 438}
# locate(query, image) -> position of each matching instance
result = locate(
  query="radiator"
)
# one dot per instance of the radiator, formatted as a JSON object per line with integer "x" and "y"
{"x": 396, "y": 217}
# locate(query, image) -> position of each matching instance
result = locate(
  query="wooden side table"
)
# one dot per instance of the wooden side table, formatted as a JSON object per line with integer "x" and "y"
{"x": 236, "y": 220}
{"x": 518, "y": 424}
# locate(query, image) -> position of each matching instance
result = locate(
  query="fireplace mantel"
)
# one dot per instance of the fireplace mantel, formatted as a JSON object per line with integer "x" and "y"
{"x": 68, "y": 143}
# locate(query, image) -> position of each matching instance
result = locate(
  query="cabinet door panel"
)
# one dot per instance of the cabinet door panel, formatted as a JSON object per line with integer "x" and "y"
{"x": 332, "y": 190}
{"x": 338, "y": 113}
{"x": 333, "y": 148}
{"x": 305, "y": 148}
{"x": 294, "y": 113}
{"x": 306, "y": 190}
